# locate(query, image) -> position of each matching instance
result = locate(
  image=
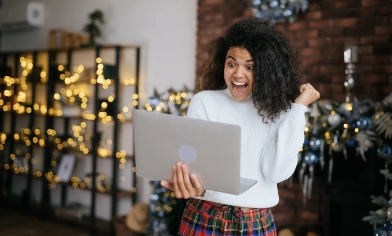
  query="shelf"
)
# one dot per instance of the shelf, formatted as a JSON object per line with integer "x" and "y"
{"x": 120, "y": 193}
{"x": 20, "y": 174}
{"x": 71, "y": 49}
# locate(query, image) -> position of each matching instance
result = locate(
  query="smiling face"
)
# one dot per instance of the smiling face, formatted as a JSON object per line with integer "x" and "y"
{"x": 238, "y": 72}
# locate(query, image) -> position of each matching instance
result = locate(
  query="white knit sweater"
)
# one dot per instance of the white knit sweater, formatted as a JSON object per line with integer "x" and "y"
{"x": 269, "y": 153}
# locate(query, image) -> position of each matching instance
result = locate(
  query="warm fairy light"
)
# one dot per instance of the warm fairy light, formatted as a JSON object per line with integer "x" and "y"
{"x": 60, "y": 67}
{"x": 135, "y": 103}
{"x": 134, "y": 169}
{"x": 111, "y": 98}
{"x": 98, "y": 60}
{"x": 135, "y": 96}
{"x": 121, "y": 166}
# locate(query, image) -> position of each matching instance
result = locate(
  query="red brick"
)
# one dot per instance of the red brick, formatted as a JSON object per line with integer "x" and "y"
{"x": 343, "y": 39}
{"x": 371, "y": 59}
{"x": 374, "y": 39}
{"x": 332, "y": 69}
{"x": 313, "y": 15}
{"x": 320, "y": 42}
{"x": 373, "y": 79}
{"x": 358, "y": 31}
{"x": 316, "y": 60}
{"x": 298, "y": 43}
{"x": 286, "y": 194}
{"x": 321, "y": 24}
{"x": 365, "y": 49}
{"x": 307, "y": 215}
{"x": 385, "y": 10}
{"x": 336, "y": 97}
{"x": 280, "y": 27}
{"x": 383, "y": 69}
{"x": 297, "y": 26}
{"x": 310, "y": 70}
{"x": 334, "y": 50}
{"x": 372, "y": 21}
{"x": 331, "y": 32}
{"x": 346, "y": 3}
{"x": 326, "y": 88}
{"x": 383, "y": 29}
{"x": 366, "y": 11}
{"x": 314, "y": 6}
{"x": 375, "y": 2}
{"x": 363, "y": 68}
{"x": 309, "y": 52}
{"x": 307, "y": 34}
{"x": 338, "y": 79}
{"x": 348, "y": 22}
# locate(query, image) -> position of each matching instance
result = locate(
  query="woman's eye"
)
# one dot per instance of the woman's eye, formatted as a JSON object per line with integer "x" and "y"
{"x": 231, "y": 64}
{"x": 249, "y": 67}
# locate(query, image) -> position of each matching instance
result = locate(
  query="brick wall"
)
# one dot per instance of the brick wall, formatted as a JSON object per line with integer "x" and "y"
{"x": 319, "y": 36}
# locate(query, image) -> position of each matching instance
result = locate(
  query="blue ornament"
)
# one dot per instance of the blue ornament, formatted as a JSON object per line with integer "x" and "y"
{"x": 315, "y": 144}
{"x": 386, "y": 149}
{"x": 351, "y": 143}
{"x": 364, "y": 123}
{"x": 310, "y": 158}
{"x": 306, "y": 142}
{"x": 384, "y": 230}
{"x": 161, "y": 214}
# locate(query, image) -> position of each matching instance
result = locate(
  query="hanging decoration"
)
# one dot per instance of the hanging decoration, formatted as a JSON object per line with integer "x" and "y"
{"x": 278, "y": 10}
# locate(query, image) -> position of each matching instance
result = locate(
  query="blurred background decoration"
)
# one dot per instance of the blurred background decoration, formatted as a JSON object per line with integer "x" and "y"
{"x": 278, "y": 10}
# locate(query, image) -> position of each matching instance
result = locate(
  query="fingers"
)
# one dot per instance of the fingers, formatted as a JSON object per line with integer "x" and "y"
{"x": 308, "y": 94}
{"x": 187, "y": 183}
{"x": 184, "y": 185}
{"x": 198, "y": 187}
{"x": 167, "y": 185}
{"x": 176, "y": 188}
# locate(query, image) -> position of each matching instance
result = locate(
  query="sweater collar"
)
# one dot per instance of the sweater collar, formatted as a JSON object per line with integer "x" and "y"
{"x": 226, "y": 92}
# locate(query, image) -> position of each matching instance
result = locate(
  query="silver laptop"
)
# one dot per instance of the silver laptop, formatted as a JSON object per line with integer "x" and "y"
{"x": 211, "y": 150}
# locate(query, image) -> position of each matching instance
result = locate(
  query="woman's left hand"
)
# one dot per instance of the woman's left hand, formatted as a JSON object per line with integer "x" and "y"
{"x": 308, "y": 94}
{"x": 183, "y": 184}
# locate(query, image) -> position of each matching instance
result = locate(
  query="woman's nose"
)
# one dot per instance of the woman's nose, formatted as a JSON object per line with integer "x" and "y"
{"x": 240, "y": 71}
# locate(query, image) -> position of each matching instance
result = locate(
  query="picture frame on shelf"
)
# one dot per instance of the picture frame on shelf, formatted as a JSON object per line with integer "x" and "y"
{"x": 66, "y": 166}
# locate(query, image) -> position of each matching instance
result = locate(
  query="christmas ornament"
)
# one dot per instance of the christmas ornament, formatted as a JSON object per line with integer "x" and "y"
{"x": 278, "y": 10}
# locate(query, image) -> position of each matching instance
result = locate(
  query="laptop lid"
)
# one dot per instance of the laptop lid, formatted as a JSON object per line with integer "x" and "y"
{"x": 211, "y": 150}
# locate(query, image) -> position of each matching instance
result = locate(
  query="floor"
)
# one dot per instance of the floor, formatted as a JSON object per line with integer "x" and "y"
{"x": 16, "y": 224}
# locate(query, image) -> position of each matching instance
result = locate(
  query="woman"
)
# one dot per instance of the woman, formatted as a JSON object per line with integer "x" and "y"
{"x": 251, "y": 80}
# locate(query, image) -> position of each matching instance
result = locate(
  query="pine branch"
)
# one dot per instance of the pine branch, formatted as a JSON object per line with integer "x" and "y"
{"x": 383, "y": 123}
{"x": 365, "y": 141}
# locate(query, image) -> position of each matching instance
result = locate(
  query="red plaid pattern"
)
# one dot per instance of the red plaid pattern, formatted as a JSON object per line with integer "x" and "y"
{"x": 203, "y": 218}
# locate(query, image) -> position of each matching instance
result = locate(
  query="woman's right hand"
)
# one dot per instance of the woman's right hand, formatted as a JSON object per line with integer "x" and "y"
{"x": 181, "y": 183}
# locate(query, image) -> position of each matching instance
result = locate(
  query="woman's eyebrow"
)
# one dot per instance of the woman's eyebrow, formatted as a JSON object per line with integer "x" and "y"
{"x": 249, "y": 60}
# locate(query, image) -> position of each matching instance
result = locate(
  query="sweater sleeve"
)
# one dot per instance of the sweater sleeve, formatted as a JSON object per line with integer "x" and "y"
{"x": 280, "y": 157}
{"x": 196, "y": 108}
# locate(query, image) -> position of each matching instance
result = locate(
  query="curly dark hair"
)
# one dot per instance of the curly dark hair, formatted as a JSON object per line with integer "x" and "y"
{"x": 276, "y": 71}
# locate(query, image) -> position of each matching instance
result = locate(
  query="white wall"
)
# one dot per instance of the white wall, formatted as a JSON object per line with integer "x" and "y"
{"x": 165, "y": 30}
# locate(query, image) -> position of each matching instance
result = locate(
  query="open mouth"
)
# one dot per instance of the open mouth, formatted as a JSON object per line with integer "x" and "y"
{"x": 239, "y": 87}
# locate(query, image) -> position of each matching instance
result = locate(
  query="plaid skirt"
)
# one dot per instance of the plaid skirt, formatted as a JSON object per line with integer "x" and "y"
{"x": 203, "y": 218}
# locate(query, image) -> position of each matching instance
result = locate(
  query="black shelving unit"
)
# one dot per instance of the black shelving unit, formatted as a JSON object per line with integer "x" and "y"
{"x": 43, "y": 207}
